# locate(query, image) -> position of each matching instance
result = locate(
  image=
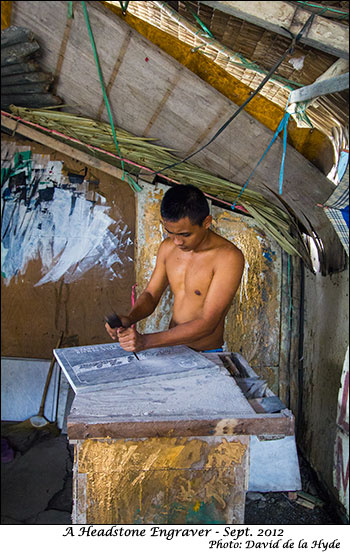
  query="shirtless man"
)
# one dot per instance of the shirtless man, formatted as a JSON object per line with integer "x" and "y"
{"x": 203, "y": 271}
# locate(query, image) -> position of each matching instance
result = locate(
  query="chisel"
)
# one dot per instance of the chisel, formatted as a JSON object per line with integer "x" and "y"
{"x": 114, "y": 321}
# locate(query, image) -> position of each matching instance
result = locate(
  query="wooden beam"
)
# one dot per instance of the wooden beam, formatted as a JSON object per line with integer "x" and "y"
{"x": 320, "y": 88}
{"x": 115, "y": 71}
{"x": 208, "y": 131}
{"x": 172, "y": 86}
{"x": 83, "y": 427}
{"x": 62, "y": 51}
{"x": 281, "y": 17}
{"x": 55, "y": 144}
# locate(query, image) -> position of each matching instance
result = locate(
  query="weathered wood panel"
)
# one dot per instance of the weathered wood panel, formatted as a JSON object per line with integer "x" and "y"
{"x": 253, "y": 322}
{"x": 33, "y": 315}
{"x": 198, "y": 480}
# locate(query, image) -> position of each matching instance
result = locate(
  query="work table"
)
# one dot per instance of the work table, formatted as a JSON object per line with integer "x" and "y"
{"x": 173, "y": 426}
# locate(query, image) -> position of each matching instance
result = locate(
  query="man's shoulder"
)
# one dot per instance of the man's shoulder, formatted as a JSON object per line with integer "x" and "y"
{"x": 165, "y": 247}
{"x": 224, "y": 246}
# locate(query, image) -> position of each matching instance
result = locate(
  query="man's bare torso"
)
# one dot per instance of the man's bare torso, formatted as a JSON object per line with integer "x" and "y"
{"x": 190, "y": 274}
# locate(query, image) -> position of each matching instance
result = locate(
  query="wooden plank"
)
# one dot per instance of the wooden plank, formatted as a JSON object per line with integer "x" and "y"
{"x": 62, "y": 50}
{"x": 201, "y": 480}
{"x": 81, "y": 428}
{"x": 60, "y": 147}
{"x": 209, "y": 131}
{"x": 285, "y": 331}
{"x": 320, "y": 88}
{"x": 58, "y": 305}
{"x": 168, "y": 92}
{"x": 115, "y": 70}
{"x": 295, "y": 377}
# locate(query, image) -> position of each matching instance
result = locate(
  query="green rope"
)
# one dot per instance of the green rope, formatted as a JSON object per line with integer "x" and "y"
{"x": 124, "y": 7}
{"x": 324, "y": 9}
{"x": 136, "y": 188}
{"x": 205, "y": 29}
{"x": 70, "y": 13}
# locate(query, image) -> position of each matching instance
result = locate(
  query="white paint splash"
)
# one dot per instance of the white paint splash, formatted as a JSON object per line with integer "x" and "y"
{"x": 244, "y": 282}
{"x": 70, "y": 234}
{"x": 297, "y": 63}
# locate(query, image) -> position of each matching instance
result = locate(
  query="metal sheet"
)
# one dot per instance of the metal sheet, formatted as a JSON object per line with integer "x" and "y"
{"x": 274, "y": 465}
{"x": 22, "y": 386}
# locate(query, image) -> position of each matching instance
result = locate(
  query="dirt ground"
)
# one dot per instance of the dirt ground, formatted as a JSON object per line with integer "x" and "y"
{"x": 278, "y": 508}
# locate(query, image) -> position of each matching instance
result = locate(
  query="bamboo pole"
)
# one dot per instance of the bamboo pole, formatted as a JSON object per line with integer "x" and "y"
{"x": 21, "y": 67}
{"x": 18, "y": 52}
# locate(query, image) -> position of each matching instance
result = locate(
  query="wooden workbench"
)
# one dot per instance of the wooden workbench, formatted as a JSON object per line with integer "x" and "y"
{"x": 162, "y": 440}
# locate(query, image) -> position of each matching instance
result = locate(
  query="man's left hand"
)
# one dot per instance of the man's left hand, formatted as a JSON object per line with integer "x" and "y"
{"x": 131, "y": 340}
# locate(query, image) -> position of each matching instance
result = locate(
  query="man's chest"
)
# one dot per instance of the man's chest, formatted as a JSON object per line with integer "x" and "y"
{"x": 190, "y": 274}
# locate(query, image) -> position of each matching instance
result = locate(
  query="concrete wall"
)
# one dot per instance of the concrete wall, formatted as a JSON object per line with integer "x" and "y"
{"x": 325, "y": 343}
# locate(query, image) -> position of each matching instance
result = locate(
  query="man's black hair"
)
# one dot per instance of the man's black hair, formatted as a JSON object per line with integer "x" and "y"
{"x": 181, "y": 201}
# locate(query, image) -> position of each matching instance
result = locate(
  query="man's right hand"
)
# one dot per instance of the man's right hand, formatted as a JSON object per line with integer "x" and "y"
{"x": 113, "y": 331}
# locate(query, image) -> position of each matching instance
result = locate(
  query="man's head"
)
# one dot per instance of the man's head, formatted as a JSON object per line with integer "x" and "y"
{"x": 184, "y": 201}
{"x": 186, "y": 218}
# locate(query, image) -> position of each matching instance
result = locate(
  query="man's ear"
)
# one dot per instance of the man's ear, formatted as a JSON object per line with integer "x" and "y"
{"x": 207, "y": 221}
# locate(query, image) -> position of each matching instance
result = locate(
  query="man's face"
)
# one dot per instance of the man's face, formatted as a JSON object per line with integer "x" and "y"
{"x": 187, "y": 236}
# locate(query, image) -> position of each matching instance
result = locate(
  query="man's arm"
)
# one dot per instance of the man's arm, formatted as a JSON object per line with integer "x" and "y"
{"x": 225, "y": 282}
{"x": 149, "y": 299}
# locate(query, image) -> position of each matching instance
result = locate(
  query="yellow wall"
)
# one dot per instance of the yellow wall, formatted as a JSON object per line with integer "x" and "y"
{"x": 5, "y": 14}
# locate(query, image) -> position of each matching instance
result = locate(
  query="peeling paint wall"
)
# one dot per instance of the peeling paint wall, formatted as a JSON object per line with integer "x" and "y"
{"x": 149, "y": 235}
{"x": 341, "y": 449}
{"x": 253, "y": 322}
{"x": 199, "y": 480}
{"x": 67, "y": 249}
{"x": 326, "y": 339}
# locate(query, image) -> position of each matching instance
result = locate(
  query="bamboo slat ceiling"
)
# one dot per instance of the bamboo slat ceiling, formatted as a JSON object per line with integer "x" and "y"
{"x": 260, "y": 47}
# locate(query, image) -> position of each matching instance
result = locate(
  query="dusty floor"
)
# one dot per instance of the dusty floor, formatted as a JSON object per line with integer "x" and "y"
{"x": 36, "y": 485}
